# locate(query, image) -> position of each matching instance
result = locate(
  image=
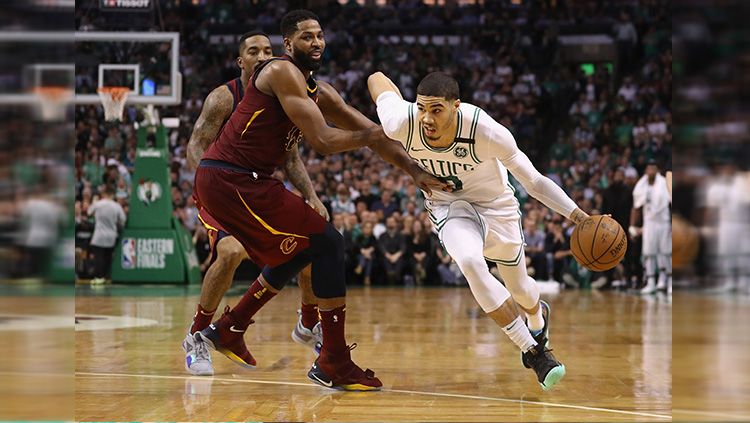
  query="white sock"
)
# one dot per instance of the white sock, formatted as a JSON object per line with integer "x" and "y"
{"x": 519, "y": 334}
{"x": 536, "y": 320}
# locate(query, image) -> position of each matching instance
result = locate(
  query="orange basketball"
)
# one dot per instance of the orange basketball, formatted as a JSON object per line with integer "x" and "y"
{"x": 599, "y": 243}
{"x": 685, "y": 242}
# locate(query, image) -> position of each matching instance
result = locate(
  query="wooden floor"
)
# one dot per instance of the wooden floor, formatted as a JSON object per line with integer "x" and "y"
{"x": 711, "y": 376}
{"x": 439, "y": 357}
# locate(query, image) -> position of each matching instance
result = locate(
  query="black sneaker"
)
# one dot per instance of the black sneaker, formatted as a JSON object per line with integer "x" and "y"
{"x": 543, "y": 337}
{"x": 548, "y": 370}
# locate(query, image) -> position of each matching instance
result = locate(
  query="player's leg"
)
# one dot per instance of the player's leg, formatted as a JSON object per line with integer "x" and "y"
{"x": 650, "y": 258}
{"x": 307, "y": 331}
{"x": 227, "y": 254}
{"x": 664, "y": 259}
{"x": 284, "y": 232}
{"x": 334, "y": 367}
{"x": 464, "y": 241}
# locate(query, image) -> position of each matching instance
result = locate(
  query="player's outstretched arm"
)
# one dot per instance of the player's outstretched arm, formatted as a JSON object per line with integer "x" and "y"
{"x": 344, "y": 116}
{"x": 216, "y": 109}
{"x": 286, "y": 82}
{"x": 501, "y": 144}
{"x": 378, "y": 83}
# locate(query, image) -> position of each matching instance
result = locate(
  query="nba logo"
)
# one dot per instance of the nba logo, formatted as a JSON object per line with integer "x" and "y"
{"x": 128, "y": 253}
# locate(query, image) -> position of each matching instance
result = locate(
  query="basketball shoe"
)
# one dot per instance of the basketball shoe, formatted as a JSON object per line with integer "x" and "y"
{"x": 543, "y": 337}
{"x": 549, "y": 371}
{"x": 304, "y": 336}
{"x": 197, "y": 357}
{"x": 227, "y": 337}
{"x": 339, "y": 372}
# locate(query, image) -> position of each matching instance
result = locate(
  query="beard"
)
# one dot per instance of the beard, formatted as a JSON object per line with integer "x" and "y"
{"x": 307, "y": 62}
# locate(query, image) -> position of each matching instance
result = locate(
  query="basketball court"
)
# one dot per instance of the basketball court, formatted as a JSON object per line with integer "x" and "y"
{"x": 452, "y": 365}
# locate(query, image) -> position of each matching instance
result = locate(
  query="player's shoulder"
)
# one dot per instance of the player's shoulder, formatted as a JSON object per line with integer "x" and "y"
{"x": 219, "y": 98}
{"x": 278, "y": 65}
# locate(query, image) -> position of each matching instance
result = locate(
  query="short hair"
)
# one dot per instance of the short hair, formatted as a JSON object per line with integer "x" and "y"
{"x": 439, "y": 84}
{"x": 291, "y": 19}
{"x": 247, "y": 35}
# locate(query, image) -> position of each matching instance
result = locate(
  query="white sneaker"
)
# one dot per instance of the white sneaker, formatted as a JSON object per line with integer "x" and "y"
{"x": 648, "y": 289}
{"x": 197, "y": 358}
{"x": 304, "y": 336}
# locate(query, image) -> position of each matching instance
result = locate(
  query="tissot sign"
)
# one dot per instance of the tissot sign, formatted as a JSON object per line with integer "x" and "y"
{"x": 125, "y": 5}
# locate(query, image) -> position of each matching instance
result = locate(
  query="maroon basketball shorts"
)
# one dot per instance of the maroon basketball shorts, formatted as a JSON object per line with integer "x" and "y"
{"x": 272, "y": 223}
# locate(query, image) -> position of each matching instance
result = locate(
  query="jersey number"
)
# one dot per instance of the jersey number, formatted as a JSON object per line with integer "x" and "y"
{"x": 457, "y": 184}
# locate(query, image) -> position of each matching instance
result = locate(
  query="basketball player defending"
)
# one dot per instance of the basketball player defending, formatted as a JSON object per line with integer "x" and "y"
{"x": 226, "y": 252}
{"x": 651, "y": 195}
{"x": 234, "y": 184}
{"x": 480, "y": 219}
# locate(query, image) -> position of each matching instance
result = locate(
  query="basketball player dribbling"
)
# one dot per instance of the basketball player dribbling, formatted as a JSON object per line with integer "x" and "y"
{"x": 234, "y": 184}
{"x": 226, "y": 251}
{"x": 481, "y": 218}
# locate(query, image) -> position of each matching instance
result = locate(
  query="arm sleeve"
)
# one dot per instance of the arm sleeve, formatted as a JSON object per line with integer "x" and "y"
{"x": 499, "y": 143}
{"x": 393, "y": 112}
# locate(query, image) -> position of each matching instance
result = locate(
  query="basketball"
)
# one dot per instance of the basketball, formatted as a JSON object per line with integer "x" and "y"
{"x": 685, "y": 242}
{"x": 599, "y": 243}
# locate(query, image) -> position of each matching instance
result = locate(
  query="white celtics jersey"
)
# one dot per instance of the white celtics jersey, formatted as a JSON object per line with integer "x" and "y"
{"x": 477, "y": 176}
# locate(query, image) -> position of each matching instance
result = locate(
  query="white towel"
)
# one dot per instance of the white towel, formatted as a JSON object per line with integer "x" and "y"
{"x": 660, "y": 198}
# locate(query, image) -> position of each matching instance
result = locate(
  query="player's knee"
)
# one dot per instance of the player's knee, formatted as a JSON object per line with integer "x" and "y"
{"x": 524, "y": 291}
{"x": 328, "y": 264}
{"x": 471, "y": 266}
{"x": 328, "y": 242}
{"x": 230, "y": 251}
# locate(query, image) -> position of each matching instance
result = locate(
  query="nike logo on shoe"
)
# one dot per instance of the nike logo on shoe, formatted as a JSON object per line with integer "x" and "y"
{"x": 233, "y": 329}
{"x": 327, "y": 384}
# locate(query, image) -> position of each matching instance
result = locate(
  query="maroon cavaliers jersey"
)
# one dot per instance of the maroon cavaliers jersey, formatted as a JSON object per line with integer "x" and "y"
{"x": 235, "y": 87}
{"x": 258, "y": 134}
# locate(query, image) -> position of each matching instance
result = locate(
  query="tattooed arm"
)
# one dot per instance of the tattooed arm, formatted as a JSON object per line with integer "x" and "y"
{"x": 295, "y": 171}
{"x": 216, "y": 109}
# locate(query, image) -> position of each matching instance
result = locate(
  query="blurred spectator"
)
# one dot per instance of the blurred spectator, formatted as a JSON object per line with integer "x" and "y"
{"x": 534, "y": 249}
{"x": 342, "y": 203}
{"x": 40, "y": 221}
{"x": 392, "y": 248}
{"x": 386, "y": 205}
{"x": 365, "y": 246}
{"x": 420, "y": 249}
{"x": 557, "y": 245}
{"x": 109, "y": 219}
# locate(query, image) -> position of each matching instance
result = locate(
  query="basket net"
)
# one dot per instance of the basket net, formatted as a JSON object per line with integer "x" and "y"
{"x": 52, "y": 101}
{"x": 113, "y": 99}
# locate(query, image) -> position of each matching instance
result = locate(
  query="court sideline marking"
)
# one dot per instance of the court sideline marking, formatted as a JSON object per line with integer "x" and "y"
{"x": 439, "y": 394}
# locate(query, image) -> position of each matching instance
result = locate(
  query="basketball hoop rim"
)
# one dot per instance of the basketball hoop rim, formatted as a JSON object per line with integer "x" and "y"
{"x": 53, "y": 92}
{"x": 114, "y": 92}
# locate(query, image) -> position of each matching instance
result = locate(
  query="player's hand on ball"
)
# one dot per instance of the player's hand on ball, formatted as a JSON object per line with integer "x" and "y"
{"x": 318, "y": 206}
{"x": 598, "y": 243}
{"x": 427, "y": 182}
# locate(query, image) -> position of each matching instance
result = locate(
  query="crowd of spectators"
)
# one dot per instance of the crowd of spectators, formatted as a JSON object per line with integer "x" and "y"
{"x": 591, "y": 133}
